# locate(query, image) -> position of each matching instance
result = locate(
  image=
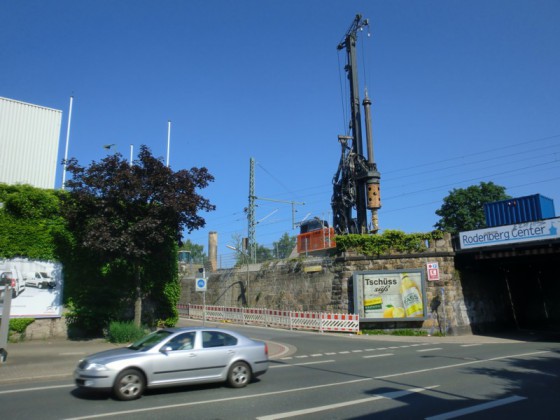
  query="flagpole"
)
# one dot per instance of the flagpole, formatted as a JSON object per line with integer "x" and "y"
{"x": 67, "y": 142}
{"x": 168, "y": 140}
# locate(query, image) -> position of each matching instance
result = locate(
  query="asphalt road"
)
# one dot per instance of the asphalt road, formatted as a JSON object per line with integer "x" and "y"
{"x": 331, "y": 376}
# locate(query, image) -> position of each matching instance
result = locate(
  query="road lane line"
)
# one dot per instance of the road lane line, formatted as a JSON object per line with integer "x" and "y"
{"x": 378, "y": 355}
{"x": 221, "y": 400}
{"x": 471, "y": 345}
{"x": 39, "y": 388}
{"x": 476, "y": 408}
{"x": 301, "y": 364}
{"x": 412, "y": 372}
{"x": 432, "y": 349}
{"x": 389, "y": 395}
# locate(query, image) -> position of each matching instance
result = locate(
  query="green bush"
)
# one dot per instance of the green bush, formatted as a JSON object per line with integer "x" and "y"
{"x": 19, "y": 325}
{"x": 125, "y": 332}
{"x": 387, "y": 242}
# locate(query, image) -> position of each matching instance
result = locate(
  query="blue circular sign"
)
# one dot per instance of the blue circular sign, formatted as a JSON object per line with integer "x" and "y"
{"x": 200, "y": 283}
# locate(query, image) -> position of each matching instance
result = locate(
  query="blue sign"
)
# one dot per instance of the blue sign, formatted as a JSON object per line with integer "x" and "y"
{"x": 200, "y": 285}
{"x": 522, "y": 232}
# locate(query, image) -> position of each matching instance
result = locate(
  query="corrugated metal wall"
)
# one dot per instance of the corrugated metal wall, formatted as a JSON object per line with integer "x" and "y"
{"x": 29, "y": 139}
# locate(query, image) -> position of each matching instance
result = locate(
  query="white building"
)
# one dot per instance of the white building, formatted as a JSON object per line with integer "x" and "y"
{"x": 29, "y": 139}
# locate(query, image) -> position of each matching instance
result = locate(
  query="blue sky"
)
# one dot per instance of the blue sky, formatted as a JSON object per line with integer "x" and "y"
{"x": 462, "y": 92}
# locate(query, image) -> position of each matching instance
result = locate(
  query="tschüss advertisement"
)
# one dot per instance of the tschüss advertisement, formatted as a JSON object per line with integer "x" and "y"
{"x": 393, "y": 295}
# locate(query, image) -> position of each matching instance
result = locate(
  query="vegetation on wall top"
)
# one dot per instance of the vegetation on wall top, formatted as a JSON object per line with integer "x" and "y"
{"x": 387, "y": 242}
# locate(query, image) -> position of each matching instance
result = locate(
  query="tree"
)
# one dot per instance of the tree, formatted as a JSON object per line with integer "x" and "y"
{"x": 285, "y": 245}
{"x": 263, "y": 254}
{"x": 463, "y": 208}
{"x": 132, "y": 215}
{"x": 196, "y": 252}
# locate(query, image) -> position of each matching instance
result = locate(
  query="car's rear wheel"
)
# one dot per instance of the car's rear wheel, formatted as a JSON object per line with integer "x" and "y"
{"x": 239, "y": 375}
{"x": 129, "y": 385}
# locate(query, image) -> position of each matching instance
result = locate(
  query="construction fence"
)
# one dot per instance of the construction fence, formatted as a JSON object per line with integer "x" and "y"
{"x": 317, "y": 321}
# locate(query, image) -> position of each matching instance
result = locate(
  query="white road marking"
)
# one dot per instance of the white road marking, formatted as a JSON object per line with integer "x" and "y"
{"x": 214, "y": 401}
{"x": 432, "y": 349}
{"x": 301, "y": 364}
{"x": 493, "y": 359}
{"x": 471, "y": 345}
{"x": 39, "y": 388}
{"x": 388, "y": 395}
{"x": 476, "y": 408}
{"x": 378, "y": 355}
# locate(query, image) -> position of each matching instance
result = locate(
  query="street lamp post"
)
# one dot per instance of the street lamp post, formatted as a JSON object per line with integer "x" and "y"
{"x": 246, "y": 256}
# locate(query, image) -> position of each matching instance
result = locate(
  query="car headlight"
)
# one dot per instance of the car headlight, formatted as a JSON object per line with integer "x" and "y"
{"x": 95, "y": 366}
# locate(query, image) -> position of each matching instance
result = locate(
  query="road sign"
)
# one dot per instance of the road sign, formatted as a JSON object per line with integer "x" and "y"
{"x": 433, "y": 271}
{"x": 201, "y": 285}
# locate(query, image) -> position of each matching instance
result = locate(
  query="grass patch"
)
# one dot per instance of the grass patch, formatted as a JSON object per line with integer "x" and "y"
{"x": 405, "y": 332}
{"x": 125, "y": 332}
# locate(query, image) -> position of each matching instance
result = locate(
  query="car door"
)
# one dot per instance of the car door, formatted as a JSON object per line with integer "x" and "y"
{"x": 215, "y": 355}
{"x": 175, "y": 364}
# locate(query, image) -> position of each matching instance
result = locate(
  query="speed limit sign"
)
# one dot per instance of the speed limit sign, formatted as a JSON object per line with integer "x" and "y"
{"x": 201, "y": 285}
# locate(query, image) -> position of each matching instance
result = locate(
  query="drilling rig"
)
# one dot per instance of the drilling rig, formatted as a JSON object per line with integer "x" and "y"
{"x": 356, "y": 181}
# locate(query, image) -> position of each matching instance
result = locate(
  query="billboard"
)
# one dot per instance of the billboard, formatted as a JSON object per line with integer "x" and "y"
{"x": 36, "y": 288}
{"x": 395, "y": 295}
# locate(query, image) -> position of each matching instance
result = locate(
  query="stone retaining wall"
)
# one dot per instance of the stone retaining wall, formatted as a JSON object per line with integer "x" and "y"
{"x": 325, "y": 285}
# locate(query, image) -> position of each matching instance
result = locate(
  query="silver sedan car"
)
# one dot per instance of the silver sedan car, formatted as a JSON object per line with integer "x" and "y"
{"x": 174, "y": 356}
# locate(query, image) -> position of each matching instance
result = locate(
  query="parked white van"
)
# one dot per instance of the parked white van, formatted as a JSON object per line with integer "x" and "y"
{"x": 39, "y": 279}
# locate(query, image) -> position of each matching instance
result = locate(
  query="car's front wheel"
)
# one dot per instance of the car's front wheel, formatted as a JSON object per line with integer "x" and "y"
{"x": 129, "y": 385}
{"x": 239, "y": 375}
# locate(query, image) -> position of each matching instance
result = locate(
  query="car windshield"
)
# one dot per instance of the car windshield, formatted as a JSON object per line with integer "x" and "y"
{"x": 150, "y": 340}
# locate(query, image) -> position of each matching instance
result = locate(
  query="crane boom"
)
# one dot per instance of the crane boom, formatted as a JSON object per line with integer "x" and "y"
{"x": 356, "y": 182}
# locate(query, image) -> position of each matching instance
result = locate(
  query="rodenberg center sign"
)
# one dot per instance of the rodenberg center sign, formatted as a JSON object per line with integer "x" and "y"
{"x": 523, "y": 232}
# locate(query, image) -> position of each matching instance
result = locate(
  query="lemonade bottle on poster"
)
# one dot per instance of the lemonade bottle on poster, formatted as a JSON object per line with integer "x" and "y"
{"x": 411, "y": 298}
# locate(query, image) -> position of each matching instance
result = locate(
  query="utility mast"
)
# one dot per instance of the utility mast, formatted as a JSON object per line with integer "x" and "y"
{"x": 252, "y": 245}
{"x": 356, "y": 182}
{"x": 252, "y": 242}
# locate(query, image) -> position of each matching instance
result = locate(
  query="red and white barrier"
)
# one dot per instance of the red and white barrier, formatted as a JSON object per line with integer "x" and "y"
{"x": 319, "y": 321}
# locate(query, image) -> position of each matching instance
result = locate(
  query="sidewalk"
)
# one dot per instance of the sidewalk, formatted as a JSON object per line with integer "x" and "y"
{"x": 39, "y": 360}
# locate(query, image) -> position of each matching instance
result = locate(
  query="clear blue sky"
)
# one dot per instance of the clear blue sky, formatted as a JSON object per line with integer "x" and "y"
{"x": 463, "y": 92}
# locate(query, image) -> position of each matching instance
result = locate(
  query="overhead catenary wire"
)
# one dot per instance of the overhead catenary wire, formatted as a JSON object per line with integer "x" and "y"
{"x": 546, "y": 148}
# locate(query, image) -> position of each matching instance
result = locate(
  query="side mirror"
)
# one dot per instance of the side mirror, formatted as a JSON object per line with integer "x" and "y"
{"x": 166, "y": 349}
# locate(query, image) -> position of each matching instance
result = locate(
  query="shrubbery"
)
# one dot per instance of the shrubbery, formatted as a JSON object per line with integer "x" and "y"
{"x": 125, "y": 332}
{"x": 387, "y": 242}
